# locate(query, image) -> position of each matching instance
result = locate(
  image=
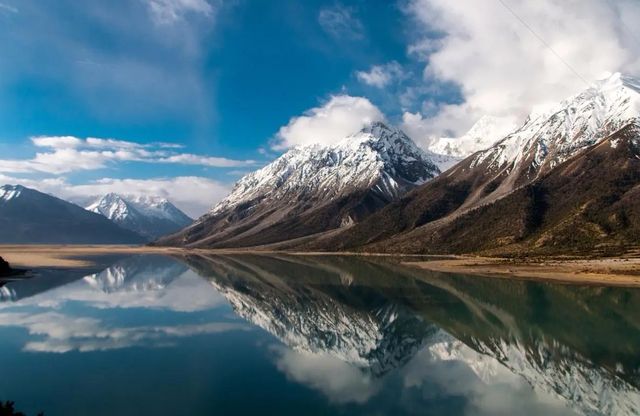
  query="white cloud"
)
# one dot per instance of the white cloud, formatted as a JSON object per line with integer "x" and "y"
{"x": 4, "y": 7}
{"x": 381, "y": 75}
{"x": 63, "y": 333}
{"x": 170, "y": 11}
{"x": 193, "y": 194}
{"x": 339, "y": 381}
{"x": 339, "y": 21}
{"x": 191, "y": 159}
{"x": 68, "y": 154}
{"x": 339, "y": 117}
{"x": 488, "y": 130}
{"x": 503, "y": 69}
{"x": 142, "y": 283}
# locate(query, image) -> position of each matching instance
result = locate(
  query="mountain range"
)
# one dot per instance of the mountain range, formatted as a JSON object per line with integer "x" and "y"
{"x": 313, "y": 189}
{"x": 147, "y": 216}
{"x": 564, "y": 181}
{"x": 29, "y": 216}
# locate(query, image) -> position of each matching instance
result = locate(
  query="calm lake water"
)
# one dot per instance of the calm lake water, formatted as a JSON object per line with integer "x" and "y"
{"x": 292, "y": 335}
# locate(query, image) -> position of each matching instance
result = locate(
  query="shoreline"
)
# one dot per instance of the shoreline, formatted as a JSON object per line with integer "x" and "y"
{"x": 609, "y": 271}
{"x": 614, "y": 271}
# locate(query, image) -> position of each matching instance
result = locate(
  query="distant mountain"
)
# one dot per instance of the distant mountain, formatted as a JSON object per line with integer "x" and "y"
{"x": 29, "y": 216}
{"x": 314, "y": 189}
{"x": 150, "y": 217}
{"x": 567, "y": 180}
{"x": 484, "y": 134}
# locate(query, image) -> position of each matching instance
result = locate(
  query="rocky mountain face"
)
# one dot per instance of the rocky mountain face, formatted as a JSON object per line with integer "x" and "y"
{"x": 29, "y": 216}
{"x": 314, "y": 189}
{"x": 150, "y": 217}
{"x": 565, "y": 181}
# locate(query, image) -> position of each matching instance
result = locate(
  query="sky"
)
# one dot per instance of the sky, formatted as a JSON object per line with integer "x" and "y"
{"x": 180, "y": 98}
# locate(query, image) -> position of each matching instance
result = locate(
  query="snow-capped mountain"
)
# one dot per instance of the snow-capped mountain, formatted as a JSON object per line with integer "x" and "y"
{"x": 314, "y": 189}
{"x": 484, "y": 134}
{"x": 527, "y": 187}
{"x": 9, "y": 192}
{"x": 377, "y": 157}
{"x": 548, "y": 139}
{"x": 148, "y": 216}
{"x": 29, "y": 216}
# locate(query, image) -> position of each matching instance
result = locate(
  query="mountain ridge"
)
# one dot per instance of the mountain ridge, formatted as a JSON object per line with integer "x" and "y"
{"x": 151, "y": 217}
{"x": 505, "y": 197}
{"x": 312, "y": 189}
{"x": 30, "y": 216}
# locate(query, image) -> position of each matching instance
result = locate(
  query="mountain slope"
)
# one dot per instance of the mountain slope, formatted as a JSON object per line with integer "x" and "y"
{"x": 313, "y": 189}
{"x": 520, "y": 187}
{"x": 29, "y": 216}
{"x": 147, "y": 216}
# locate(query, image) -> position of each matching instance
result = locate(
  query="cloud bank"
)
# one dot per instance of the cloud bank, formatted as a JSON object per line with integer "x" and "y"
{"x": 65, "y": 154}
{"x": 502, "y": 68}
{"x": 339, "y": 117}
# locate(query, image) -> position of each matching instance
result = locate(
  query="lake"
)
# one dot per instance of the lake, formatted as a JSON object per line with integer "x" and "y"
{"x": 313, "y": 335}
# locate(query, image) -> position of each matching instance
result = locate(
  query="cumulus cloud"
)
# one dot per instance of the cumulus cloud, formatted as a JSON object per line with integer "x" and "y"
{"x": 339, "y": 117}
{"x": 67, "y": 154}
{"x": 381, "y": 75}
{"x": 340, "y": 22}
{"x": 503, "y": 69}
{"x": 170, "y": 11}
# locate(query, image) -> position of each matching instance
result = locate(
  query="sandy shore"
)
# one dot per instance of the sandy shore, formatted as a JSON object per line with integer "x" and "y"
{"x": 72, "y": 256}
{"x": 602, "y": 271}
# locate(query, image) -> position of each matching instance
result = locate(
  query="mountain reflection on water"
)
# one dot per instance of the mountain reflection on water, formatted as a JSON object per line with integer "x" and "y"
{"x": 365, "y": 334}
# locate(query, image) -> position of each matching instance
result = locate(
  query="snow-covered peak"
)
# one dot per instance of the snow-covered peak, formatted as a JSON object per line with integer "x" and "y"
{"x": 484, "y": 133}
{"x": 149, "y": 216}
{"x": 547, "y": 139}
{"x": 157, "y": 207}
{"x": 617, "y": 80}
{"x": 377, "y": 157}
{"x": 112, "y": 206}
{"x": 9, "y": 192}
{"x": 118, "y": 207}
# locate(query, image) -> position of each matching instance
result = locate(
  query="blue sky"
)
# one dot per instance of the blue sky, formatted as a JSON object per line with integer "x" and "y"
{"x": 236, "y": 82}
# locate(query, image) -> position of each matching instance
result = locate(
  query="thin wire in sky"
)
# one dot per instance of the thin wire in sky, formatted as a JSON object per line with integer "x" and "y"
{"x": 626, "y": 27}
{"x": 541, "y": 39}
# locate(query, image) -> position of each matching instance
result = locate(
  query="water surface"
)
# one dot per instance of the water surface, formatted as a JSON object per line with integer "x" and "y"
{"x": 254, "y": 334}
